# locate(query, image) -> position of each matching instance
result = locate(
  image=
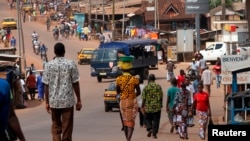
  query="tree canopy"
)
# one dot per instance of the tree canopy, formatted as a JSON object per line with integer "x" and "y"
{"x": 215, "y": 3}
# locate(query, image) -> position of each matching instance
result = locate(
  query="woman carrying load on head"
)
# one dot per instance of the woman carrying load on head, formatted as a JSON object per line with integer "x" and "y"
{"x": 128, "y": 88}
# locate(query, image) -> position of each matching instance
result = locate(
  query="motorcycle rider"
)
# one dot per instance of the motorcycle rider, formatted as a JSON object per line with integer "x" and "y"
{"x": 43, "y": 51}
{"x": 56, "y": 32}
{"x": 36, "y": 45}
{"x": 66, "y": 30}
{"x": 34, "y": 36}
{"x": 193, "y": 68}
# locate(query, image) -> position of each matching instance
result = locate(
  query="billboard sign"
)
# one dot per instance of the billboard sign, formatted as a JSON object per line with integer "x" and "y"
{"x": 80, "y": 19}
{"x": 197, "y": 6}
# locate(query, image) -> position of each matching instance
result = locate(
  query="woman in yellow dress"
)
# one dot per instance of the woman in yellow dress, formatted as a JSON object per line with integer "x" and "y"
{"x": 128, "y": 88}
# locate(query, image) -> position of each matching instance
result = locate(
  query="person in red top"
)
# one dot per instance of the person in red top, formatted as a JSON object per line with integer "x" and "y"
{"x": 181, "y": 78}
{"x": 31, "y": 84}
{"x": 202, "y": 105}
{"x": 217, "y": 71}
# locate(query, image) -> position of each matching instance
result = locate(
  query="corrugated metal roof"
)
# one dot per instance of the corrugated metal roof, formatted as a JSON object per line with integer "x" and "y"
{"x": 109, "y": 11}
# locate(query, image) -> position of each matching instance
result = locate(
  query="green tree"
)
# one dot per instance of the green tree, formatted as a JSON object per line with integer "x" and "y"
{"x": 215, "y": 3}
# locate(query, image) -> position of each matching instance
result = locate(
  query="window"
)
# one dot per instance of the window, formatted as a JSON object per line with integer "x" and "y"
{"x": 210, "y": 47}
{"x": 218, "y": 46}
{"x": 104, "y": 55}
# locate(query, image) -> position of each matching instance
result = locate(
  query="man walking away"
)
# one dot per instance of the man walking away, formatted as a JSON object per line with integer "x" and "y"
{"x": 61, "y": 81}
{"x": 207, "y": 79}
{"x": 152, "y": 96}
{"x": 170, "y": 69}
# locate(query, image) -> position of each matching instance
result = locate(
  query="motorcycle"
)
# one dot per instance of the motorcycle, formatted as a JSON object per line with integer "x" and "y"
{"x": 192, "y": 74}
{"x": 56, "y": 35}
{"x": 36, "y": 49}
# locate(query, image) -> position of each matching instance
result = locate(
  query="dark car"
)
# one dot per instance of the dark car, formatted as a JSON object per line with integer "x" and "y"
{"x": 110, "y": 100}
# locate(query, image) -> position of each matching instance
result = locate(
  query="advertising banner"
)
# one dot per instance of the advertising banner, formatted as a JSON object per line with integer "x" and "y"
{"x": 231, "y": 63}
{"x": 80, "y": 18}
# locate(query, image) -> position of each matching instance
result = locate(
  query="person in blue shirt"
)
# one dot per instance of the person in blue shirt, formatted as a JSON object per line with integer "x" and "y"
{"x": 79, "y": 31}
{"x": 5, "y": 103}
{"x": 13, "y": 42}
{"x": 43, "y": 51}
{"x": 8, "y": 117}
{"x": 40, "y": 87}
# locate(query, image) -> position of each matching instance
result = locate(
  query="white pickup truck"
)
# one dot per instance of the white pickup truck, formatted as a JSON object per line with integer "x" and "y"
{"x": 214, "y": 50}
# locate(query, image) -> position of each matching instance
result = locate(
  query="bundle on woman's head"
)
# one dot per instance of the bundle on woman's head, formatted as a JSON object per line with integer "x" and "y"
{"x": 125, "y": 62}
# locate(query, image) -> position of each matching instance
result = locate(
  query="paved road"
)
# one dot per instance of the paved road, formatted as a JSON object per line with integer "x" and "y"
{"x": 92, "y": 123}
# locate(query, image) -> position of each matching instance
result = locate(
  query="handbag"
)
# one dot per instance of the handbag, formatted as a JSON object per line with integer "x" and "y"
{"x": 119, "y": 95}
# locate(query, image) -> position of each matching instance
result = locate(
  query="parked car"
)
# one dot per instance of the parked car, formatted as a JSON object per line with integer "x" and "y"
{"x": 217, "y": 49}
{"x": 84, "y": 55}
{"x": 9, "y": 22}
{"x": 110, "y": 100}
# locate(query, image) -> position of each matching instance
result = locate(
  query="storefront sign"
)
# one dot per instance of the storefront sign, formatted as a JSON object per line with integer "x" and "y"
{"x": 197, "y": 6}
{"x": 231, "y": 63}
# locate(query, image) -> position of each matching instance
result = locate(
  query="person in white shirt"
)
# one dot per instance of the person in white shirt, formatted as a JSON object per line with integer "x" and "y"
{"x": 190, "y": 88}
{"x": 202, "y": 64}
{"x": 207, "y": 79}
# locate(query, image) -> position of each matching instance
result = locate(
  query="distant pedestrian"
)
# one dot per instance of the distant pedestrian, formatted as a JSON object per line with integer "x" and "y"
{"x": 101, "y": 38}
{"x": 24, "y": 16}
{"x": 202, "y": 64}
{"x": 48, "y": 23}
{"x": 13, "y": 42}
{"x": 29, "y": 16}
{"x": 170, "y": 69}
{"x": 34, "y": 15}
{"x": 217, "y": 71}
{"x": 181, "y": 78}
{"x": 152, "y": 97}
{"x": 31, "y": 84}
{"x": 40, "y": 87}
{"x": 207, "y": 79}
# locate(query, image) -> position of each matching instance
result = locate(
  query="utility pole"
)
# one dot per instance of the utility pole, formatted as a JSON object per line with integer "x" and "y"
{"x": 155, "y": 14}
{"x": 223, "y": 5}
{"x": 103, "y": 11}
{"x": 89, "y": 18}
{"x": 248, "y": 18}
{"x": 19, "y": 35}
{"x": 123, "y": 17}
{"x": 113, "y": 20}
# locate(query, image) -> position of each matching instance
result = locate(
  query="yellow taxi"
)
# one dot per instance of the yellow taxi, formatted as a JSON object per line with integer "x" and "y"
{"x": 9, "y": 22}
{"x": 110, "y": 100}
{"x": 84, "y": 55}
